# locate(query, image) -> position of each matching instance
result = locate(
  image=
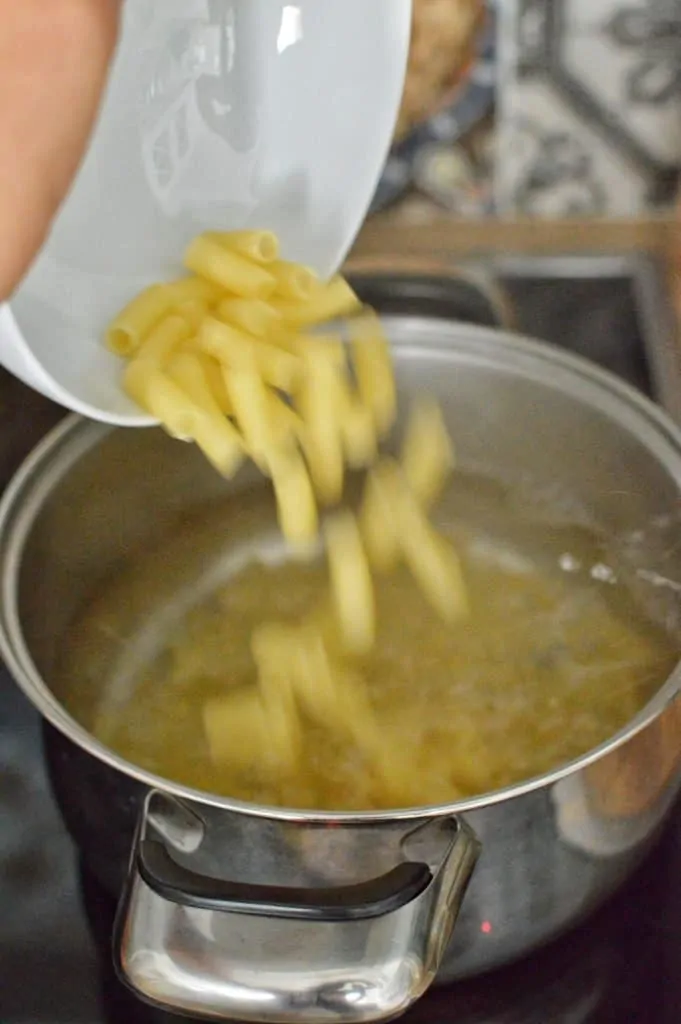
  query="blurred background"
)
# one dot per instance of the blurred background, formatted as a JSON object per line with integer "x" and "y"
{"x": 538, "y": 108}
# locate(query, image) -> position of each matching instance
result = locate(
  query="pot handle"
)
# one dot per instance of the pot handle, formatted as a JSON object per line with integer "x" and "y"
{"x": 210, "y": 947}
{"x": 361, "y": 902}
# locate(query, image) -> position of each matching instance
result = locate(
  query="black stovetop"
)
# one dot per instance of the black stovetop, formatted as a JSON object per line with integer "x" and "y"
{"x": 622, "y": 966}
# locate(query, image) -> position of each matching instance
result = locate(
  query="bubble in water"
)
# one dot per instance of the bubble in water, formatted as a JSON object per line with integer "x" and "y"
{"x": 603, "y": 573}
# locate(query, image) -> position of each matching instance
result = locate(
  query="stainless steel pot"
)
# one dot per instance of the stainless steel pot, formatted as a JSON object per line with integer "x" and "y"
{"x": 233, "y": 910}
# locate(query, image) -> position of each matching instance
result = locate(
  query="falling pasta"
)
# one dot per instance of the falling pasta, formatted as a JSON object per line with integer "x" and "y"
{"x": 228, "y": 358}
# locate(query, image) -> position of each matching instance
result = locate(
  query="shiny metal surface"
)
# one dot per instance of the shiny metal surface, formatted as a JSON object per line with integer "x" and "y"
{"x": 552, "y": 848}
{"x": 258, "y": 968}
{"x": 647, "y": 274}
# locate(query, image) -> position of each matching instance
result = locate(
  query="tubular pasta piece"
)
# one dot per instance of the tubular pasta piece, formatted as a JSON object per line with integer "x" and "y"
{"x": 327, "y": 346}
{"x": 427, "y": 451}
{"x": 244, "y": 732}
{"x": 275, "y": 648}
{"x": 326, "y": 362}
{"x": 137, "y": 378}
{"x": 287, "y": 425}
{"x": 296, "y": 503}
{"x": 374, "y": 370}
{"x": 221, "y": 443}
{"x": 312, "y": 677}
{"x": 250, "y": 400}
{"x": 294, "y": 281}
{"x": 161, "y": 397}
{"x": 260, "y": 246}
{"x": 324, "y": 457}
{"x": 216, "y": 382}
{"x": 376, "y": 516}
{"x": 431, "y": 560}
{"x": 351, "y": 585}
{"x": 194, "y": 312}
{"x": 289, "y": 340}
{"x": 151, "y": 358}
{"x": 252, "y": 315}
{"x": 128, "y": 330}
{"x": 299, "y": 344}
{"x": 236, "y": 274}
{"x": 321, "y": 438}
{"x": 331, "y": 695}
{"x": 188, "y": 372}
{"x": 193, "y": 289}
{"x": 183, "y": 418}
{"x": 234, "y": 348}
{"x": 357, "y": 428}
{"x": 163, "y": 341}
{"x": 327, "y": 302}
{"x": 228, "y": 344}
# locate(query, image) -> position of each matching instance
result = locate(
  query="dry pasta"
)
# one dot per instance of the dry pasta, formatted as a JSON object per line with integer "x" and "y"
{"x": 193, "y": 289}
{"x": 189, "y": 372}
{"x": 331, "y": 300}
{"x": 376, "y": 516}
{"x": 351, "y": 583}
{"x": 294, "y": 282}
{"x": 321, "y": 440}
{"x": 395, "y": 528}
{"x": 250, "y": 400}
{"x": 259, "y": 246}
{"x": 431, "y": 559}
{"x": 137, "y": 320}
{"x": 252, "y": 315}
{"x": 373, "y": 368}
{"x": 358, "y": 433}
{"x": 427, "y": 452}
{"x": 223, "y": 358}
{"x": 238, "y": 275}
{"x": 234, "y": 347}
{"x": 193, "y": 312}
{"x": 295, "y": 497}
{"x": 216, "y": 382}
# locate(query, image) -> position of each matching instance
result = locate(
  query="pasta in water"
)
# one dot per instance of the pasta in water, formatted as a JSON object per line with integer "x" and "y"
{"x": 547, "y": 665}
{"x": 392, "y": 665}
{"x": 227, "y": 358}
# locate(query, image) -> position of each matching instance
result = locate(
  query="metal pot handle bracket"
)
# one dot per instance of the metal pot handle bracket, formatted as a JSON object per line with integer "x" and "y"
{"x": 361, "y": 902}
{"x": 213, "y": 947}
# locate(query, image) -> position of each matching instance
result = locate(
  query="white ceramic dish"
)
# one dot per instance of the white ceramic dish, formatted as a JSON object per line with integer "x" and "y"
{"x": 219, "y": 114}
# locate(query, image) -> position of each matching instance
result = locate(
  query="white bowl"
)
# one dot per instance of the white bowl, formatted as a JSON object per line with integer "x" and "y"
{"x": 220, "y": 114}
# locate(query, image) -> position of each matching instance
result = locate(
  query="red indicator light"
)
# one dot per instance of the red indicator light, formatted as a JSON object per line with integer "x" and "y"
{"x": 486, "y": 927}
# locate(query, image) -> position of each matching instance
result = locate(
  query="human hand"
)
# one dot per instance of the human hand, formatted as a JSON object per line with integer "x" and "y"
{"x": 54, "y": 59}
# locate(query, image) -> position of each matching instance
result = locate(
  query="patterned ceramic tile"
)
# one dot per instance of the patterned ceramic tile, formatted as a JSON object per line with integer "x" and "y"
{"x": 589, "y": 106}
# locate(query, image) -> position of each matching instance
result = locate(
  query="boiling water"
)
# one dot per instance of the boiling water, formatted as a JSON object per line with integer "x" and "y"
{"x": 556, "y": 656}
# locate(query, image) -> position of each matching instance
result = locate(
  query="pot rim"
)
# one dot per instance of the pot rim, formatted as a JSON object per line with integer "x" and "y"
{"x": 17, "y": 514}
